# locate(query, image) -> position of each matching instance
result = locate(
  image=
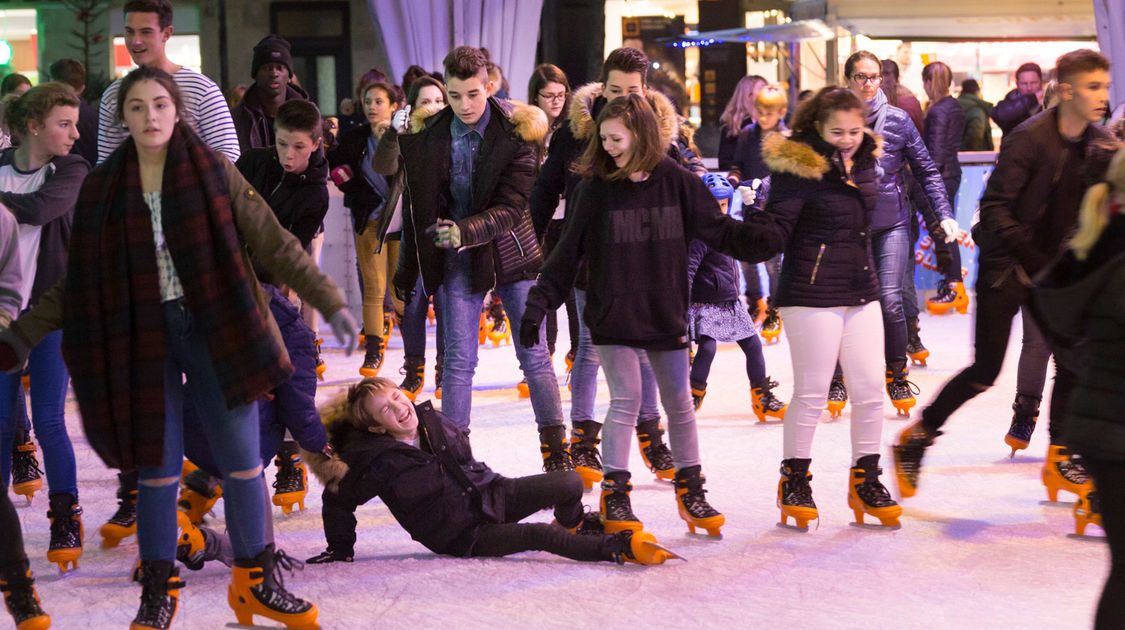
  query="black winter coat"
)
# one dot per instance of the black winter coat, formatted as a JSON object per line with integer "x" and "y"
{"x": 1014, "y": 109}
{"x": 713, "y": 277}
{"x": 945, "y": 126}
{"x": 823, "y": 220}
{"x": 1031, "y": 164}
{"x": 436, "y": 491}
{"x": 634, "y": 238}
{"x": 1081, "y": 307}
{"x": 746, "y": 163}
{"x": 254, "y": 128}
{"x": 728, "y": 143}
{"x": 502, "y": 180}
{"x": 298, "y": 200}
{"x": 903, "y": 146}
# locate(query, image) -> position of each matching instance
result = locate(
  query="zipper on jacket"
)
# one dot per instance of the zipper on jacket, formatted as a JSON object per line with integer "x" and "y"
{"x": 519, "y": 246}
{"x": 816, "y": 266}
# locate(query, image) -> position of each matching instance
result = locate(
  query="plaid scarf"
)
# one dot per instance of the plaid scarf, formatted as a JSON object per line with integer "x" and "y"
{"x": 113, "y": 322}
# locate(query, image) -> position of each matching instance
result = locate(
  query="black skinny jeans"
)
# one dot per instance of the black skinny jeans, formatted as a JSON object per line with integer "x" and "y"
{"x": 526, "y": 496}
{"x": 1109, "y": 479}
{"x": 705, "y": 355}
{"x": 996, "y": 306}
{"x": 12, "y": 556}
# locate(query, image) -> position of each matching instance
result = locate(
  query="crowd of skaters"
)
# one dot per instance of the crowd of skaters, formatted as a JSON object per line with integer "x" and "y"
{"x": 175, "y": 285}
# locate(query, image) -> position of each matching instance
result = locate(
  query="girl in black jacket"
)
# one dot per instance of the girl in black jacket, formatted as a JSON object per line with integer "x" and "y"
{"x": 823, "y": 184}
{"x": 630, "y": 220}
{"x": 717, "y": 315}
{"x": 421, "y": 465}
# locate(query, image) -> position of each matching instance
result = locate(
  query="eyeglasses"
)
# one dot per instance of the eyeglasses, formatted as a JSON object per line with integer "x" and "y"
{"x": 867, "y": 78}
{"x": 558, "y": 96}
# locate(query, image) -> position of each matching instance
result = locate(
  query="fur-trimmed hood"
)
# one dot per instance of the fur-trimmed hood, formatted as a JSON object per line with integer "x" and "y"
{"x": 529, "y": 121}
{"x": 582, "y": 115}
{"x": 797, "y": 157}
{"x": 334, "y": 417}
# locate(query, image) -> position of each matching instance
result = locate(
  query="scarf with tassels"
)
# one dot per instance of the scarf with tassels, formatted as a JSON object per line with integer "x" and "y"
{"x": 113, "y": 323}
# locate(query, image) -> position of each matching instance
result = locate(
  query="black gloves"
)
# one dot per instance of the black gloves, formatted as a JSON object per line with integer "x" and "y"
{"x": 404, "y": 295}
{"x": 944, "y": 259}
{"x": 529, "y": 331}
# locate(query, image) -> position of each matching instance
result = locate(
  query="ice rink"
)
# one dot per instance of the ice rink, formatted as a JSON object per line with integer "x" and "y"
{"x": 979, "y": 547}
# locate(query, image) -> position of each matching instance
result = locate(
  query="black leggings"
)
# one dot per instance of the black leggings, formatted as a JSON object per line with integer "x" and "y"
{"x": 705, "y": 354}
{"x": 527, "y": 495}
{"x": 1109, "y": 480}
{"x": 12, "y": 556}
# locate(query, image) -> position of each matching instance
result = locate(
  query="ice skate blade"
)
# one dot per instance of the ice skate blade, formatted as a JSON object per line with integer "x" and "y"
{"x": 1087, "y": 537}
{"x": 657, "y": 547}
{"x": 1065, "y": 504}
{"x": 249, "y": 626}
{"x": 878, "y": 526}
{"x": 712, "y": 532}
{"x": 797, "y": 528}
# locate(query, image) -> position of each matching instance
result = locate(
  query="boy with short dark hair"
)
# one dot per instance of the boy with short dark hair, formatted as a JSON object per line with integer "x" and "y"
{"x": 1027, "y": 211}
{"x": 468, "y": 230}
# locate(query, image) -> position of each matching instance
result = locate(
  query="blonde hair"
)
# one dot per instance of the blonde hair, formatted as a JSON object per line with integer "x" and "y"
{"x": 1093, "y": 216}
{"x": 1051, "y": 94}
{"x": 367, "y": 387}
{"x": 771, "y": 96}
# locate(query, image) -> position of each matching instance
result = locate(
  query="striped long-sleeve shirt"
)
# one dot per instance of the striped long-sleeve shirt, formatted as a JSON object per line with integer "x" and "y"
{"x": 206, "y": 110}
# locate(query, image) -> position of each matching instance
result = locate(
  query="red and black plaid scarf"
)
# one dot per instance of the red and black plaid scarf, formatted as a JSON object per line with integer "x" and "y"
{"x": 113, "y": 323}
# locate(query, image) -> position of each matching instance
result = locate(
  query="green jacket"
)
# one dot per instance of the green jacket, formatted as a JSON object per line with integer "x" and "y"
{"x": 978, "y": 132}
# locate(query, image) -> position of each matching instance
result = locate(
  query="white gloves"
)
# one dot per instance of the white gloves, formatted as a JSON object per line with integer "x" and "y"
{"x": 345, "y": 328}
{"x": 951, "y": 229}
{"x": 400, "y": 120}
{"x": 748, "y": 195}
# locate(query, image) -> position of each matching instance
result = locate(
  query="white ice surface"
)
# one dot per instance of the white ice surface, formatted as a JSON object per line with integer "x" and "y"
{"x": 978, "y": 547}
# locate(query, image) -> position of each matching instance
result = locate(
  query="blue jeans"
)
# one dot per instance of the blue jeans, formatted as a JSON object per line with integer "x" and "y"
{"x": 461, "y": 310}
{"x": 584, "y": 376}
{"x": 892, "y": 253}
{"x": 413, "y": 326}
{"x": 233, "y": 439}
{"x": 49, "y": 381}
{"x": 623, "y": 372}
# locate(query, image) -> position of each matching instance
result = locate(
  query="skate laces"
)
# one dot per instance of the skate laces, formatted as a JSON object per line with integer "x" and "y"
{"x": 837, "y": 391}
{"x": 903, "y": 388}
{"x": 279, "y": 597}
{"x": 25, "y": 465}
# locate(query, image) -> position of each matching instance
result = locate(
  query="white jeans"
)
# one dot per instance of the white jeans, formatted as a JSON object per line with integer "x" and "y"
{"x": 816, "y": 337}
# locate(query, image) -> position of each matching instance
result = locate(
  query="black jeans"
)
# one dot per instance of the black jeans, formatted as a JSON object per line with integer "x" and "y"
{"x": 1109, "y": 479}
{"x": 997, "y": 304}
{"x": 12, "y": 556}
{"x": 526, "y": 496}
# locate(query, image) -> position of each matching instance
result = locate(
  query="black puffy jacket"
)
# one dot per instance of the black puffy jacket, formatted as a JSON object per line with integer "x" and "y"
{"x": 1014, "y": 109}
{"x": 902, "y": 146}
{"x": 437, "y": 491}
{"x": 1082, "y": 305}
{"x": 824, "y": 221}
{"x": 945, "y": 126}
{"x": 746, "y": 162}
{"x": 713, "y": 276}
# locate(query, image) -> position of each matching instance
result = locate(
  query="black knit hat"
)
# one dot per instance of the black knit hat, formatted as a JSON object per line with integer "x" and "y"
{"x": 272, "y": 49}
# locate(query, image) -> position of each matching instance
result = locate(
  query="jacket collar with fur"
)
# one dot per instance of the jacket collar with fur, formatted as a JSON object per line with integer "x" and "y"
{"x": 810, "y": 156}
{"x": 528, "y": 121}
{"x": 582, "y": 115}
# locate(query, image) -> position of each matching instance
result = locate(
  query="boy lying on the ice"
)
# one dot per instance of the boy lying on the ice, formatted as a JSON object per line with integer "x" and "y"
{"x": 421, "y": 465}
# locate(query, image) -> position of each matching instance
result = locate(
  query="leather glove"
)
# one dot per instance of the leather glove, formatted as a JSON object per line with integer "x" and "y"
{"x": 944, "y": 260}
{"x": 345, "y": 328}
{"x": 13, "y": 352}
{"x": 529, "y": 332}
{"x": 401, "y": 119}
{"x": 445, "y": 234}
{"x": 748, "y": 195}
{"x": 951, "y": 229}
{"x": 329, "y": 555}
{"x": 404, "y": 295}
